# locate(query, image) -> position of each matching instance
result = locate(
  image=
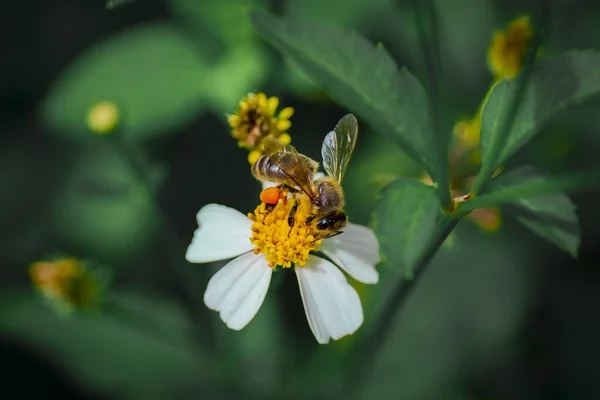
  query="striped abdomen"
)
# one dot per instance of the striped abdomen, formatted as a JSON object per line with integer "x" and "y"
{"x": 292, "y": 169}
{"x": 264, "y": 169}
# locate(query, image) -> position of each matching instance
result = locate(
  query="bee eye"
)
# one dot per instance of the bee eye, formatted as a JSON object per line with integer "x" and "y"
{"x": 323, "y": 224}
{"x": 317, "y": 202}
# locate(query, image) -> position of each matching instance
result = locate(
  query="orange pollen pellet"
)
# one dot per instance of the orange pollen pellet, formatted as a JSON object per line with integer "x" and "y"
{"x": 270, "y": 195}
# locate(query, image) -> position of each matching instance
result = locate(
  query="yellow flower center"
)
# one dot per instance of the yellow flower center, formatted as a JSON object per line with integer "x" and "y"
{"x": 281, "y": 244}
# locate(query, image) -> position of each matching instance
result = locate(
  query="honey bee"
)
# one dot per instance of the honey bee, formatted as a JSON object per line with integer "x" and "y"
{"x": 294, "y": 173}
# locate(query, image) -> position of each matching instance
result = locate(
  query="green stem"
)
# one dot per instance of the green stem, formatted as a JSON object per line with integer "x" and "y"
{"x": 368, "y": 350}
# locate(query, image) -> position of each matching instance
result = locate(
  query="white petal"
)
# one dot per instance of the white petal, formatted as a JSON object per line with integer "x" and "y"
{"x": 270, "y": 184}
{"x": 332, "y": 306}
{"x": 222, "y": 233}
{"x": 238, "y": 289}
{"x": 356, "y": 251}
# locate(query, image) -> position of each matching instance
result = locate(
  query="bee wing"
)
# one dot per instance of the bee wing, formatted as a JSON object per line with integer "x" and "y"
{"x": 299, "y": 168}
{"x": 338, "y": 147}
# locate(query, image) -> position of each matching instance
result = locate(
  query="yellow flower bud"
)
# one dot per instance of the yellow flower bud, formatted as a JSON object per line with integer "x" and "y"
{"x": 103, "y": 117}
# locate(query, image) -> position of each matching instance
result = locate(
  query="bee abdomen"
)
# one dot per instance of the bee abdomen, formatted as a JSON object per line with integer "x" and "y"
{"x": 265, "y": 169}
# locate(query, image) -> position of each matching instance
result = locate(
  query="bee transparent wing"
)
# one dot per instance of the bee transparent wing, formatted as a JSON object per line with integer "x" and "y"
{"x": 299, "y": 168}
{"x": 338, "y": 147}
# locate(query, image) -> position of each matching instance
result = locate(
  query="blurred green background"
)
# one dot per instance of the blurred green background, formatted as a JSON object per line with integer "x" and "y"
{"x": 500, "y": 315}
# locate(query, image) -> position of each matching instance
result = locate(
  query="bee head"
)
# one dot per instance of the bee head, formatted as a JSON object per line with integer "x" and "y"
{"x": 334, "y": 221}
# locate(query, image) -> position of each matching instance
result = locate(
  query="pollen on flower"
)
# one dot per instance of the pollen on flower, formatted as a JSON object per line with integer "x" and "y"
{"x": 256, "y": 119}
{"x": 508, "y": 47}
{"x": 273, "y": 237}
{"x": 270, "y": 195}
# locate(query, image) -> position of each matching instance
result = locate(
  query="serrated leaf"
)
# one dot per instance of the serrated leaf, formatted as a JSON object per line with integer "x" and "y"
{"x": 404, "y": 221}
{"x": 360, "y": 76}
{"x": 553, "y": 84}
{"x": 552, "y": 217}
{"x": 352, "y": 13}
{"x": 527, "y": 182}
{"x": 550, "y": 214}
{"x": 154, "y": 74}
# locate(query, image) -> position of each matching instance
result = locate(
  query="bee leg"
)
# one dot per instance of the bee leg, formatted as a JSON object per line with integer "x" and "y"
{"x": 309, "y": 219}
{"x": 269, "y": 207}
{"x": 329, "y": 235}
{"x": 292, "y": 216}
{"x": 287, "y": 188}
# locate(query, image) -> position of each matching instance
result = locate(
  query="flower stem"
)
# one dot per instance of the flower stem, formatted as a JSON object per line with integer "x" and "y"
{"x": 366, "y": 354}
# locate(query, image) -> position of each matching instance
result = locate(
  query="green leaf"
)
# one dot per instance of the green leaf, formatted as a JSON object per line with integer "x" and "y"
{"x": 102, "y": 208}
{"x": 547, "y": 211}
{"x": 552, "y": 217}
{"x": 526, "y": 182}
{"x": 154, "y": 74}
{"x": 554, "y": 84}
{"x": 228, "y": 20}
{"x": 96, "y": 349}
{"x": 404, "y": 221}
{"x": 243, "y": 68}
{"x": 297, "y": 82}
{"x": 360, "y": 76}
{"x": 329, "y": 12}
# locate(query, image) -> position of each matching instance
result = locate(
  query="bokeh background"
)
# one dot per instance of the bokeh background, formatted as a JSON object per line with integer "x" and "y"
{"x": 497, "y": 315}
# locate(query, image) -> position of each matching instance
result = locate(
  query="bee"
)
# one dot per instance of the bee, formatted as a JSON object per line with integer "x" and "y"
{"x": 294, "y": 173}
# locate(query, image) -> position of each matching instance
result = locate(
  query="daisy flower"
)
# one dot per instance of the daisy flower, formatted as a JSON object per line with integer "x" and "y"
{"x": 261, "y": 241}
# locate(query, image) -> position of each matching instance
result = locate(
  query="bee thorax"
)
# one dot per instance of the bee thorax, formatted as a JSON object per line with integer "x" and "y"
{"x": 330, "y": 195}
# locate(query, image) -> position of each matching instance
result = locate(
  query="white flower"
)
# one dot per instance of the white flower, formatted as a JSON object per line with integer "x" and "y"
{"x": 237, "y": 290}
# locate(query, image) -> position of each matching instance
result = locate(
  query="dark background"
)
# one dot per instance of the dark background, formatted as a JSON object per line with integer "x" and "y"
{"x": 501, "y": 315}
